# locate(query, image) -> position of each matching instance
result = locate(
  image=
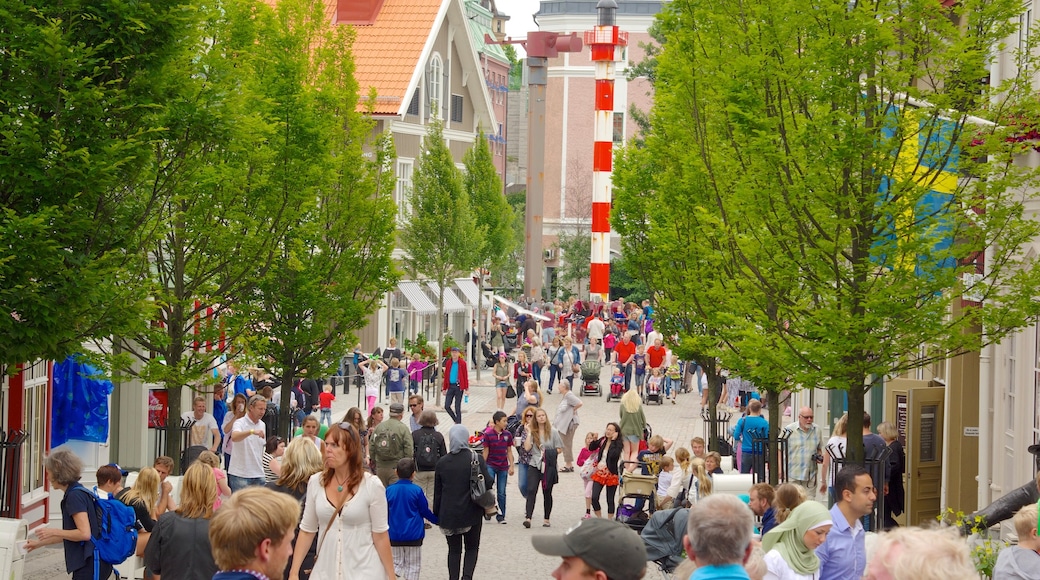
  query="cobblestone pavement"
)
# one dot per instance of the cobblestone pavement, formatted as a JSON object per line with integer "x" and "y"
{"x": 504, "y": 548}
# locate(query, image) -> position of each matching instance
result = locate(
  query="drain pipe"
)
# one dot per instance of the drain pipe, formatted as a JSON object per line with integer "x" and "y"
{"x": 985, "y": 404}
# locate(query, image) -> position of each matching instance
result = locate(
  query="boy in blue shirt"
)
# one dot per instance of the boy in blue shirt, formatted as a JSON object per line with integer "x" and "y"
{"x": 406, "y": 507}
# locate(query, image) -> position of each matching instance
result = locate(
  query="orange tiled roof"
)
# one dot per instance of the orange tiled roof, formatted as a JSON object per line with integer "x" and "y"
{"x": 387, "y": 52}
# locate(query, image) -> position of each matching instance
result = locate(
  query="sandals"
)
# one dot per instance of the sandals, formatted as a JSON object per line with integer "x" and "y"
{"x": 566, "y": 470}
{"x": 546, "y": 524}
{"x": 527, "y": 523}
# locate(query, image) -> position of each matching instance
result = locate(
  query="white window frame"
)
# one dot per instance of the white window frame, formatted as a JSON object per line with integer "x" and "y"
{"x": 436, "y": 88}
{"x": 405, "y": 168}
{"x": 34, "y": 422}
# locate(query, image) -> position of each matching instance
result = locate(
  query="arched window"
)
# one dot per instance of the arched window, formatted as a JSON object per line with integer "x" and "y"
{"x": 436, "y": 83}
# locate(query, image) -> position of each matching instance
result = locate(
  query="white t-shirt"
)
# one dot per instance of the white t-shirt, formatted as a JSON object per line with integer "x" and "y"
{"x": 778, "y": 569}
{"x": 837, "y": 446}
{"x": 247, "y": 455}
{"x": 202, "y": 430}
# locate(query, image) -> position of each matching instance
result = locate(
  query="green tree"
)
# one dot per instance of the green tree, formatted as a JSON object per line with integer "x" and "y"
{"x": 493, "y": 216}
{"x": 834, "y": 174}
{"x": 441, "y": 239}
{"x": 333, "y": 264}
{"x": 221, "y": 212}
{"x": 79, "y": 93}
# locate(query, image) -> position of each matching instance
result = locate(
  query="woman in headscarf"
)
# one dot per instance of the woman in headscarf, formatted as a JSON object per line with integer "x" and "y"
{"x": 791, "y": 546}
{"x": 458, "y": 516}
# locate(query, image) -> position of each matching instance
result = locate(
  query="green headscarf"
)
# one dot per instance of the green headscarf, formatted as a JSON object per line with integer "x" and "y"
{"x": 787, "y": 538}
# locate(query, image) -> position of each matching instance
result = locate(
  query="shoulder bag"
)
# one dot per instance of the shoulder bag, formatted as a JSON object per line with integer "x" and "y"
{"x": 478, "y": 491}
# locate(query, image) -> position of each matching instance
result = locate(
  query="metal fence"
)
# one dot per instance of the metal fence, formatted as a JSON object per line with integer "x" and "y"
{"x": 11, "y": 471}
{"x": 877, "y": 465}
{"x": 160, "y": 439}
{"x": 725, "y": 445}
{"x": 764, "y": 449}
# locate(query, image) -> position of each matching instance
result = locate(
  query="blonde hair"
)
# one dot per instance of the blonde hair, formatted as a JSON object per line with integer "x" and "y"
{"x": 888, "y": 431}
{"x": 251, "y": 516}
{"x": 667, "y": 463}
{"x": 631, "y": 401}
{"x": 300, "y": 462}
{"x": 926, "y": 554}
{"x": 1025, "y": 521}
{"x": 209, "y": 458}
{"x": 702, "y": 476}
{"x": 841, "y": 427}
{"x": 657, "y": 442}
{"x": 683, "y": 457}
{"x": 198, "y": 492}
{"x": 145, "y": 490}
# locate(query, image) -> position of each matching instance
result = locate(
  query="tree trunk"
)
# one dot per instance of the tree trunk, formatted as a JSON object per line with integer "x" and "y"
{"x": 713, "y": 399}
{"x": 441, "y": 334}
{"x": 477, "y": 334}
{"x": 173, "y": 426}
{"x": 854, "y": 453}
{"x": 774, "y": 458}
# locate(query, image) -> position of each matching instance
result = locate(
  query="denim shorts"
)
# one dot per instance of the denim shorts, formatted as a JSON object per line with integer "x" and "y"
{"x": 632, "y": 438}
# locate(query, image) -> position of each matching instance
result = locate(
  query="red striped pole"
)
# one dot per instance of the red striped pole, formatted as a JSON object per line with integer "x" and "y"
{"x": 605, "y": 42}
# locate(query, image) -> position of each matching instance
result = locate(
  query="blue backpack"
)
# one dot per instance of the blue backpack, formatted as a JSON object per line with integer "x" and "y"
{"x": 115, "y": 539}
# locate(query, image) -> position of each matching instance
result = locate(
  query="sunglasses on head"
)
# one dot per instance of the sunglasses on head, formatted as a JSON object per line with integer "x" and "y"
{"x": 349, "y": 429}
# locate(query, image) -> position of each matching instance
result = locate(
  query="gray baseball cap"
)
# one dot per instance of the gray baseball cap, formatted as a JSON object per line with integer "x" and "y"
{"x": 603, "y": 544}
{"x": 396, "y": 408}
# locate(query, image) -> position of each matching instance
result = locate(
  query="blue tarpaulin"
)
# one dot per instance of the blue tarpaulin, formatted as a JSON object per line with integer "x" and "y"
{"x": 80, "y": 403}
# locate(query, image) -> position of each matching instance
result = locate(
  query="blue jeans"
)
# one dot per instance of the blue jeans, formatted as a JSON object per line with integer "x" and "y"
{"x": 326, "y": 417}
{"x": 536, "y": 373}
{"x": 237, "y": 483}
{"x": 501, "y": 477}
{"x": 553, "y": 371}
{"x": 521, "y": 478}
{"x": 454, "y": 394}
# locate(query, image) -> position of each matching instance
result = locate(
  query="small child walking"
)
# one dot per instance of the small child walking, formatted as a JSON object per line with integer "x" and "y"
{"x": 586, "y": 468}
{"x": 406, "y": 509}
{"x": 325, "y": 400}
{"x": 415, "y": 373}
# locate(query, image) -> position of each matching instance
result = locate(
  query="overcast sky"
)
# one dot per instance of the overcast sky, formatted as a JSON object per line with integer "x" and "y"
{"x": 520, "y": 21}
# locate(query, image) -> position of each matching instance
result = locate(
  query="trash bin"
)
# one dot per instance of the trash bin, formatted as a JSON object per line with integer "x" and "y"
{"x": 12, "y": 560}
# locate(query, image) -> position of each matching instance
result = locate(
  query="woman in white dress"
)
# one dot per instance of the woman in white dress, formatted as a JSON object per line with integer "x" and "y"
{"x": 346, "y": 509}
{"x": 790, "y": 547}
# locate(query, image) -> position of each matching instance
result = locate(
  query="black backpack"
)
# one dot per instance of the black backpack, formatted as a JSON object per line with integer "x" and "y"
{"x": 427, "y": 451}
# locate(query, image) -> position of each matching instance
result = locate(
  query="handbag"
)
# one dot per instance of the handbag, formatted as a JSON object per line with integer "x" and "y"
{"x": 478, "y": 491}
{"x": 587, "y": 469}
{"x": 510, "y": 391}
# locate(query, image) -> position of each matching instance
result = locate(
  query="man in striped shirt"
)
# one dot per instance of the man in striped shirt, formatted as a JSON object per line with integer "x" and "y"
{"x": 804, "y": 443}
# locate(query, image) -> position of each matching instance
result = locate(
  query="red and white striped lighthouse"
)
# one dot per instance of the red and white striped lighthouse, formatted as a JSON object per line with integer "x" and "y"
{"x": 605, "y": 41}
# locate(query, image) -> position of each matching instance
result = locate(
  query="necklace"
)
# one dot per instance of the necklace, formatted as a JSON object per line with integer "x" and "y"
{"x": 340, "y": 486}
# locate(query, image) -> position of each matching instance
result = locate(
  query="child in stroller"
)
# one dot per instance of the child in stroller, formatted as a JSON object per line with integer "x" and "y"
{"x": 490, "y": 356}
{"x": 617, "y": 384}
{"x": 654, "y": 388}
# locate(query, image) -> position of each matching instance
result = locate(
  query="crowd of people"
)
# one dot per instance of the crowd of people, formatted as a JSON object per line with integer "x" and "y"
{"x": 355, "y": 498}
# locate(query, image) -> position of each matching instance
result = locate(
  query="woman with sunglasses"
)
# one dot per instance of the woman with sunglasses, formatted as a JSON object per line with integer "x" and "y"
{"x": 346, "y": 509}
{"x": 521, "y": 469}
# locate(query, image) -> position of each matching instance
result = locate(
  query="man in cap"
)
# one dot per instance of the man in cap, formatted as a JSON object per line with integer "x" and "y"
{"x": 456, "y": 382}
{"x": 597, "y": 548}
{"x": 391, "y": 441}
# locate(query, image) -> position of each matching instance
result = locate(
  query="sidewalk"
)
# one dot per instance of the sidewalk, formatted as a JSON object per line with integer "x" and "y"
{"x": 503, "y": 547}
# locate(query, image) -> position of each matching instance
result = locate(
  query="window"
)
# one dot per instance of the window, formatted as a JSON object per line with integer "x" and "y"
{"x": 403, "y": 189}
{"x": 413, "y": 106}
{"x": 1025, "y": 22}
{"x": 436, "y": 72}
{"x": 34, "y": 412}
{"x": 619, "y": 127}
{"x": 456, "y": 108}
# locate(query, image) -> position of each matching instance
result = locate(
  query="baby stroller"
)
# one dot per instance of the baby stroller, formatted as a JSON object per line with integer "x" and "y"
{"x": 652, "y": 394}
{"x": 634, "y": 487}
{"x": 590, "y": 378}
{"x": 490, "y": 356}
{"x": 616, "y": 389}
{"x": 663, "y": 536}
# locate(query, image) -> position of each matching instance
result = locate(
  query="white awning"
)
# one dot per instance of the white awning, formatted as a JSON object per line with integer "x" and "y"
{"x": 420, "y": 302}
{"x": 452, "y": 303}
{"x": 520, "y": 309}
{"x": 469, "y": 290}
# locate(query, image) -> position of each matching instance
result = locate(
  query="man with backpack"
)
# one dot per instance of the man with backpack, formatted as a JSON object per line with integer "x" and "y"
{"x": 428, "y": 445}
{"x": 390, "y": 443}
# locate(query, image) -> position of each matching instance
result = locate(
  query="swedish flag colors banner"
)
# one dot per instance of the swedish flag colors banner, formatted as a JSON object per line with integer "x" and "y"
{"x": 916, "y": 198}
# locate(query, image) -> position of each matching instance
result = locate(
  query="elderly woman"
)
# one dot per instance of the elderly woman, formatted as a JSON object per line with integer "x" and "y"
{"x": 63, "y": 469}
{"x": 790, "y": 547}
{"x": 179, "y": 548}
{"x": 459, "y": 517}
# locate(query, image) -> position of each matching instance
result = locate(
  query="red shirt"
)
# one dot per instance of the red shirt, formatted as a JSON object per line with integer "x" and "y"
{"x": 655, "y": 354}
{"x": 625, "y": 351}
{"x": 326, "y": 399}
